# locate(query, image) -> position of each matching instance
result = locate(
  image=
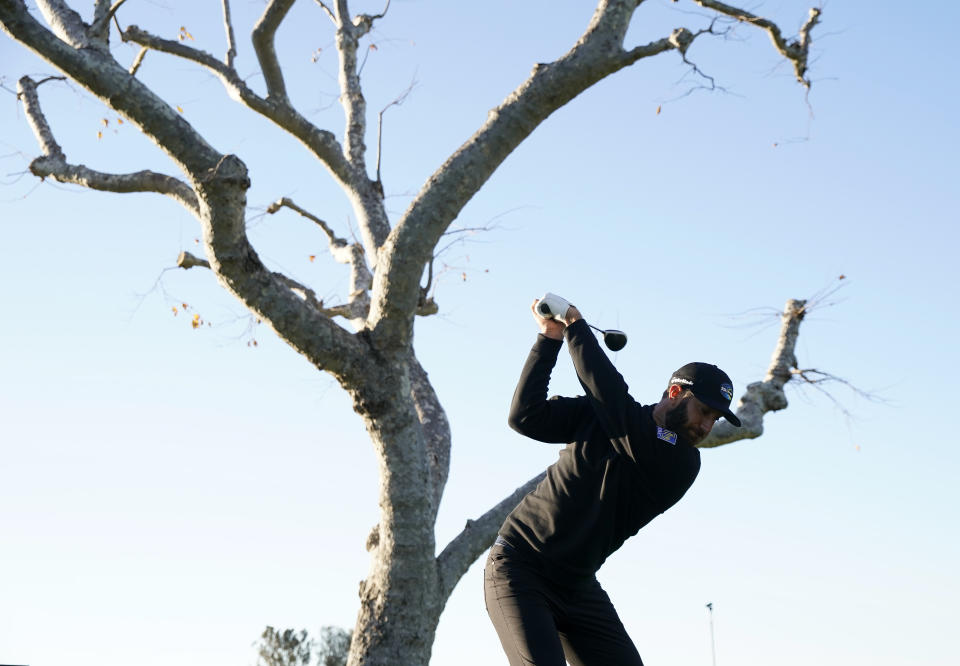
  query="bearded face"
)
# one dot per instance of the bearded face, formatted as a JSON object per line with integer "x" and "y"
{"x": 676, "y": 417}
{"x": 678, "y": 420}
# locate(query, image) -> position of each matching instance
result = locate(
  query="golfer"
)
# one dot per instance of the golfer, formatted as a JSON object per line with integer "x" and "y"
{"x": 624, "y": 464}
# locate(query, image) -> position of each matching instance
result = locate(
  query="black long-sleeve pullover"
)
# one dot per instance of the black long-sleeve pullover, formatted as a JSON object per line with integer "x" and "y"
{"x": 614, "y": 476}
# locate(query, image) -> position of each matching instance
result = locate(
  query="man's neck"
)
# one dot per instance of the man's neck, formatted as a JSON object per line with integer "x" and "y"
{"x": 660, "y": 413}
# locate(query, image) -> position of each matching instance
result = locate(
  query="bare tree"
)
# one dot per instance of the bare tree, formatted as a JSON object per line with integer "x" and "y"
{"x": 365, "y": 343}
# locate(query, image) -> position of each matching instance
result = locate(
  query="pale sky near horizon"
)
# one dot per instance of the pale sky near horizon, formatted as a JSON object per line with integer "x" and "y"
{"x": 167, "y": 492}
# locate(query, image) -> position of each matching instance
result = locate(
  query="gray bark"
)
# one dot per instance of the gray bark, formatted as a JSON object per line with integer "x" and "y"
{"x": 53, "y": 162}
{"x": 766, "y": 395}
{"x": 408, "y": 583}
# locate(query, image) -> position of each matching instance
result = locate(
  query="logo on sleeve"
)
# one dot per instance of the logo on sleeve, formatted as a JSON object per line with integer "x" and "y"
{"x": 727, "y": 391}
{"x": 668, "y": 436}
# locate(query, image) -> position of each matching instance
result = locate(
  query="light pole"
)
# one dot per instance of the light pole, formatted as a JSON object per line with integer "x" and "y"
{"x": 713, "y": 649}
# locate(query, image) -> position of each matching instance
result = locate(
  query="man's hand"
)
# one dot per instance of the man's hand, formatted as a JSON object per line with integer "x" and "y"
{"x": 553, "y": 328}
{"x": 573, "y": 314}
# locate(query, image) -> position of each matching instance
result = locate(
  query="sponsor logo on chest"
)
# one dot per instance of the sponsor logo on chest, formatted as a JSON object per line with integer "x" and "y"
{"x": 668, "y": 436}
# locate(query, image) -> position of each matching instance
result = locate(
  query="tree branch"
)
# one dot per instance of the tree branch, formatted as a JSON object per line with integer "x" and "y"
{"x": 288, "y": 203}
{"x": 352, "y": 254}
{"x": 351, "y": 94}
{"x": 476, "y": 537}
{"x": 53, "y": 161}
{"x": 100, "y": 8}
{"x": 147, "y": 40}
{"x": 364, "y": 22}
{"x": 681, "y": 38}
{"x": 401, "y": 98}
{"x": 796, "y": 50}
{"x": 320, "y": 142}
{"x": 231, "y": 39}
{"x": 139, "y": 181}
{"x": 97, "y": 26}
{"x": 135, "y": 65}
{"x": 329, "y": 12}
{"x": 304, "y": 292}
{"x": 27, "y": 94}
{"x": 263, "y": 34}
{"x": 767, "y": 395}
{"x": 65, "y": 23}
{"x": 368, "y": 201}
{"x": 102, "y": 15}
{"x": 186, "y": 261}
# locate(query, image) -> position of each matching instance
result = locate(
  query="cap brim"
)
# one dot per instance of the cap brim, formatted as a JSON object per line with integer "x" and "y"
{"x": 731, "y": 417}
{"x": 723, "y": 409}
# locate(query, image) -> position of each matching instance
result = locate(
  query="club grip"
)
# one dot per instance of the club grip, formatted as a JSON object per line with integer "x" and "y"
{"x": 552, "y": 306}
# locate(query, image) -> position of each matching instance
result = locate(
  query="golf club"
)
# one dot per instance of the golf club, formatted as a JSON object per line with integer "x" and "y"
{"x": 614, "y": 340}
{"x": 551, "y": 306}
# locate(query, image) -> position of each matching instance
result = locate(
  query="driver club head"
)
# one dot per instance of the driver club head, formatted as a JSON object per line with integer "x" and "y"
{"x": 614, "y": 340}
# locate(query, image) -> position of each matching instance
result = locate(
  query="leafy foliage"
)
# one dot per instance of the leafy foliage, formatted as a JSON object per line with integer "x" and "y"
{"x": 334, "y": 646}
{"x": 286, "y": 648}
{"x": 296, "y": 648}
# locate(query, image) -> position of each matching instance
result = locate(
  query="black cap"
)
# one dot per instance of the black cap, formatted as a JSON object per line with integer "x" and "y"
{"x": 710, "y": 385}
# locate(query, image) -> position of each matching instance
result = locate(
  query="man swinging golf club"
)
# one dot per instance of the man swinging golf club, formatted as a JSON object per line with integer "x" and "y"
{"x": 624, "y": 464}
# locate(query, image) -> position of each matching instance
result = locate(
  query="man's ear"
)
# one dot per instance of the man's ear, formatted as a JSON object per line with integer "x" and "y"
{"x": 674, "y": 391}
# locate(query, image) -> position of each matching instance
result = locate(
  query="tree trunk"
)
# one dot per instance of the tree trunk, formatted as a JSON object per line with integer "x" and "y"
{"x": 400, "y": 601}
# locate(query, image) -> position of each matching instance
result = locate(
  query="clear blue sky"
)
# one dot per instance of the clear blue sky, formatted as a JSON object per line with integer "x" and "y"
{"x": 166, "y": 492}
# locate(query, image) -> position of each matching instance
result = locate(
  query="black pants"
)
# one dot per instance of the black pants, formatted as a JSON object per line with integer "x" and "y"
{"x": 543, "y": 622}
